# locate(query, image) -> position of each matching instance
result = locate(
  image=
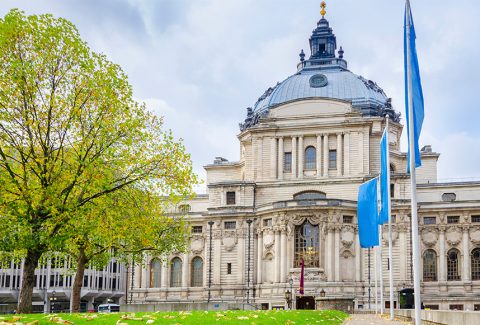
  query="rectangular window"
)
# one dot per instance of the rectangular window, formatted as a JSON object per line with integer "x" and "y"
{"x": 392, "y": 190}
{"x": 429, "y": 220}
{"x": 230, "y": 198}
{"x": 267, "y": 222}
{"x": 347, "y": 219}
{"x": 394, "y": 219}
{"x": 476, "y": 307}
{"x": 456, "y": 307}
{"x": 287, "y": 162}
{"x": 197, "y": 229}
{"x": 332, "y": 159}
{"x": 432, "y": 307}
{"x": 453, "y": 219}
{"x": 85, "y": 281}
{"x": 475, "y": 219}
{"x": 230, "y": 225}
{"x": 229, "y": 268}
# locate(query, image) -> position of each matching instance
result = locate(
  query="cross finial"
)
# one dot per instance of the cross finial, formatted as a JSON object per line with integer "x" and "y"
{"x": 323, "y": 12}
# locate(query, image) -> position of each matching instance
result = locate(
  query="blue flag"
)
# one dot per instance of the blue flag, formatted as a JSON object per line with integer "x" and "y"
{"x": 384, "y": 180}
{"x": 417, "y": 93}
{"x": 368, "y": 214}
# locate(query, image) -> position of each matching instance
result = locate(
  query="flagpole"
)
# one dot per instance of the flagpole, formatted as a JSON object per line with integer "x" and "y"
{"x": 390, "y": 244}
{"x": 380, "y": 249}
{"x": 413, "y": 180}
{"x": 375, "y": 257}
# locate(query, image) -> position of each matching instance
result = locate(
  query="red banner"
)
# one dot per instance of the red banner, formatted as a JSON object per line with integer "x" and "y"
{"x": 302, "y": 279}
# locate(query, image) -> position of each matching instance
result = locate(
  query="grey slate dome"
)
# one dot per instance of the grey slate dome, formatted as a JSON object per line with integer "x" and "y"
{"x": 323, "y": 75}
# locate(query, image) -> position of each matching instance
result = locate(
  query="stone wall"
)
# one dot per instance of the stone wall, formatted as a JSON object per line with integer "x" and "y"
{"x": 442, "y": 316}
{"x": 346, "y": 305}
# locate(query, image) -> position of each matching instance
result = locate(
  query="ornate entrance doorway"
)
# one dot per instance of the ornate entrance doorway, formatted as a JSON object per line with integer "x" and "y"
{"x": 306, "y": 302}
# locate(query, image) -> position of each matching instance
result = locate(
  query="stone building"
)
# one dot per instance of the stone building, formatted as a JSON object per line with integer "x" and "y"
{"x": 305, "y": 147}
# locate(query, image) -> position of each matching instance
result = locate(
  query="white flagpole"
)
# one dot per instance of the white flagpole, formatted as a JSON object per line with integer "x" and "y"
{"x": 380, "y": 249}
{"x": 376, "y": 287}
{"x": 390, "y": 244}
{"x": 413, "y": 180}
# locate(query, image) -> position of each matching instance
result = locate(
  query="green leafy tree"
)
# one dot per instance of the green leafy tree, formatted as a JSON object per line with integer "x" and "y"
{"x": 71, "y": 135}
{"x": 125, "y": 225}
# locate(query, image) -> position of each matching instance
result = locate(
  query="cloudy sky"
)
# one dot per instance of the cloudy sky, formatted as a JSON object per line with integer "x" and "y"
{"x": 200, "y": 63}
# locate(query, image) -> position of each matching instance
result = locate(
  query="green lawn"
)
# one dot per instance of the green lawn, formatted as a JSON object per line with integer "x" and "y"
{"x": 279, "y": 317}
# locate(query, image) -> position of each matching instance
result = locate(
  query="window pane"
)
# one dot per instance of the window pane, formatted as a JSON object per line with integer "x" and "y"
{"x": 197, "y": 272}
{"x": 332, "y": 159}
{"x": 197, "y": 229}
{"x": 176, "y": 273}
{"x": 306, "y": 245}
{"x": 429, "y": 220}
{"x": 452, "y": 266}
{"x": 230, "y": 198}
{"x": 347, "y": 219}
{"x": 453, "y": 219}
{"x": 310, "y": 158}
{"x": 287, "y": 162}
{"x": 230, "y": 225}
{"x": 155, "y": 273}
{"x": 475, "y": 219}
{"x": 476, "y": 264}
{"x": 430, "y": 266}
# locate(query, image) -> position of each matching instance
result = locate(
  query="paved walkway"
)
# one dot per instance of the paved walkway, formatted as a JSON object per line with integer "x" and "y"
{"x": 367, "y": 319}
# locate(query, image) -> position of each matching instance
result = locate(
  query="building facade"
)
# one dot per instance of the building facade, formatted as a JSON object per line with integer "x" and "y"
{"x": 305, "y": 147}
{"x": 53, "y": 285}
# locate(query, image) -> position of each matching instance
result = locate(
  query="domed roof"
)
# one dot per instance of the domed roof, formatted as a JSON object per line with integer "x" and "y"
{"x": 323, "y": 75}
{"x": 340, "y": 84}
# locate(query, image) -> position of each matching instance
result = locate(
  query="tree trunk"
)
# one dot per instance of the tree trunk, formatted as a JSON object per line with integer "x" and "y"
{"x": 28, "y": 281}
{"x": 78, "y": 282}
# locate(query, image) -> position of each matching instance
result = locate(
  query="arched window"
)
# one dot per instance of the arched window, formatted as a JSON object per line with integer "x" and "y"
{"x": 310, "y": 158}
{"x": 430, "y": 265}
{"x": 197, "y": 272}
{"x": 309, "y": 195}
{"x": 176, "y": 273}
{"x": 475, "y": 264}
{"x": 155, "y": 273}
{"x": 307, "y": 245}
{"x": 452, "y": 265}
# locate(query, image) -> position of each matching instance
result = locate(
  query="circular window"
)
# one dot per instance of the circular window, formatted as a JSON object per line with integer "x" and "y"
{"x": 318, "y": 81}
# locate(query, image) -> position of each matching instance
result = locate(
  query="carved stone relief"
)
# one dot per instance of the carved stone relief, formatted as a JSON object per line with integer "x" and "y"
{"x": 348, "y": 236}
{"x": 229, "y": 240}
{"x": 394, "y": 236}
{"x": 268, "y": 239}
{"x": 429, "y": 236}
{"x": 454, "y": 236}
{"x": 475, "y": 236}
{"x": 197, "y": 244}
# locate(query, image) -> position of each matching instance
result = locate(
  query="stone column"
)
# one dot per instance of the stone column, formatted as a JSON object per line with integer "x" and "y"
{"x": 217, "y": 256}
{"x": 328, "y": 255}
{"x": 466, "y": 255}
{"x": 273, "y": 158}
{"x": 278, "y": 256}
{"x": 185, "y": 272}
{"x": 319, "y": 156}
{"x": 301, "y": 154}
{"x": 283, "y": 244}
{"x": 260, "y": 159}
{"x": 337, "y": 254}
{"x": 358, "y": 258}
{"x": 294, "y": 157}
{"x": 402, "y": 243}
{"x": 164, "y": 278}
{"x": 442, "y": 277}
{"x": 360, "y": 152}
{"x": 241, "y": 253}
{"x": 346, "y": 156}
{"x": 325, "y": 155}
{"x": 339, "y": 154}
{"x": 146, "y": 277}
{"x": 259, "y": 256}
{"x": 281, "y": 155}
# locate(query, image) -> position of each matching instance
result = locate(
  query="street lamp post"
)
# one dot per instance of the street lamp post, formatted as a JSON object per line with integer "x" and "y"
{"x": 52, "y": 301}
{"x": 249, "y": 222}
{"x": 291, "y": 292}
{"x": 210, "y": 223}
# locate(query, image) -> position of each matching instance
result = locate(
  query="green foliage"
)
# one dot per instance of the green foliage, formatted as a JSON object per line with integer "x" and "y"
{"x": 81, "y": 162}
{"x": 275, "y": 317}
